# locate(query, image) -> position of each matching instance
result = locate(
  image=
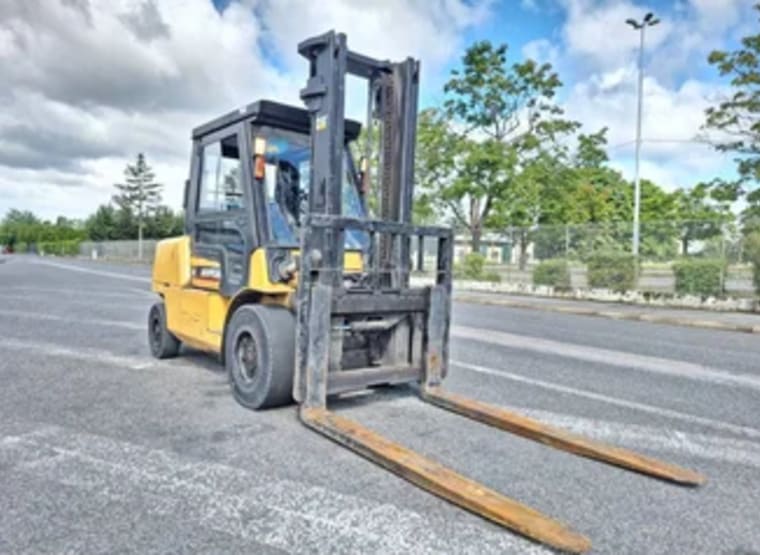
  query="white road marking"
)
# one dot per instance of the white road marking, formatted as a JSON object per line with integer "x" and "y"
{"x": 633, "y": 436}
{"x": 66, "y": 320}
{"x": 294, "y": 516}
{"x": 143, "y": 292}
{"x": 36, "y": 292}
{"x": 609, "y": 357}
{"x": 642, "y": 407}
{"x": 141, "y": 279}
{"x": 133, "y": 305}
{"x": 723, "y": 449}
{"x": 86, "y": 354}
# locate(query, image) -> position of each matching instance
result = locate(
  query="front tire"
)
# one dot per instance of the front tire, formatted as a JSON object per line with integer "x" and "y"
{"x": 259, "y": 354}
{"x": 162, "y": 342}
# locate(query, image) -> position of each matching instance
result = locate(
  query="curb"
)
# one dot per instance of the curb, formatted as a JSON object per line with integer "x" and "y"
{"x": 614, "y": 315}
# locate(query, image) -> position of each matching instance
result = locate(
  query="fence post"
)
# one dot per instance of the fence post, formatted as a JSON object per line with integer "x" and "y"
{"x": 724, "y": 266}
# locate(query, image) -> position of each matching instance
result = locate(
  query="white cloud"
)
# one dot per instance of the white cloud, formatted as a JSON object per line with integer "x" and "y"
{"x": 718, "y": 15}
{"x": 596, "y": 33}
{"x": 542, "y": 51}
{"x": 387, "y": 29}
{"x": 94, "y": 82}
{"x": 89, "y": 83}
{"x": 601, "y": 51}
{"x": 671, "y": 153}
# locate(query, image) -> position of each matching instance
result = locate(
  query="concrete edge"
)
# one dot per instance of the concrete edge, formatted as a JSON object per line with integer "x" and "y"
{"x": 614, "y": 315}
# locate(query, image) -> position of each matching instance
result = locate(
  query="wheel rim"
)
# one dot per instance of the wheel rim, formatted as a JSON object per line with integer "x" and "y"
{"x": 245, "y": 351}
{"x": 156, "y": 330}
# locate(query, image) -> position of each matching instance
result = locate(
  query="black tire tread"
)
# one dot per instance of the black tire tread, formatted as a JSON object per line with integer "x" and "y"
{"x": 169, "y": 345}
{"x": 273, "y": 329}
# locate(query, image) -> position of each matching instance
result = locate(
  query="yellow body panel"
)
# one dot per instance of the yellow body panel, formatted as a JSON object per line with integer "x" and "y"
{"x": 195, "y": 310}
{"x": 196, "y": 316}
{"x": 171, "y": 265}
{"x": 353, "y": 262}
{"x": 258, "y": 278}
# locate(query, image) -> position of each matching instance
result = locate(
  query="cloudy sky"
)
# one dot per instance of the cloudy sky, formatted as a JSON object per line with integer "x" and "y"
{"x": 87, "y": 84}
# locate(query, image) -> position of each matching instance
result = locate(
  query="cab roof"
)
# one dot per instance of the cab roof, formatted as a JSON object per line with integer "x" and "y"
{"x": 274, "y": 114}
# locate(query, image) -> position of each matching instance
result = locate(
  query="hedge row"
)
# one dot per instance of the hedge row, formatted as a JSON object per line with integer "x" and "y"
{"x": 61, "y": 248}
{"x": 699, "y": 276}
{"x": 615, "y": 271}
{"x": 555, "y": 273}
{"x": 473, "y": 267}
{"x": 752, "y": 247}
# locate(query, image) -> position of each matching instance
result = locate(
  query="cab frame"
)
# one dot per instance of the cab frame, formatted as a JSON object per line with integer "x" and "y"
{"x": 250, "y": 222}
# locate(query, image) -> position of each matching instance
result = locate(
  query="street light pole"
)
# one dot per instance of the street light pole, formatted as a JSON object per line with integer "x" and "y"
{"x": 648, "y": 21}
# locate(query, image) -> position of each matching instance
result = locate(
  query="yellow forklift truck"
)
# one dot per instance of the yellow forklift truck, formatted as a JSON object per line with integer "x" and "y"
{"x": 284, "y": 274}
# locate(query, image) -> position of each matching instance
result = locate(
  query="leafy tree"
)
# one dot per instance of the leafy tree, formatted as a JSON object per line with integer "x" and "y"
{"x": 164, "y": 223}
{"x": 139, "y": 196}
{"x": 24, "y": 227}
{"x": 102, "y": 225}
{"x": 736, "y": 119}
{"x": 592, "y": 150}
{"x": 495, "y": 118}
{"x": 19, "y": 217}
{"x": 659, "y": 221}
{"x": 526, "y": 202}
{"x": 435, "y": 166}
{"x": 697, "y": 216}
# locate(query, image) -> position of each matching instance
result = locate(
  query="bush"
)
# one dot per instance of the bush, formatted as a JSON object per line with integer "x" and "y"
{"x": 555, "y": 273}
{"x": 616, "y": 271}
{"x": 752, "y": 248}
{"x": 473, "y": 267}
{"x": 491, "y": 275}
{"x": 699, "y": 276}
{"x": 60, "y": 248}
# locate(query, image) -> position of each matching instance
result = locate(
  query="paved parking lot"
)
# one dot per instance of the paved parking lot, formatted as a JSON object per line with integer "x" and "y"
{"x": 103, "y": 449}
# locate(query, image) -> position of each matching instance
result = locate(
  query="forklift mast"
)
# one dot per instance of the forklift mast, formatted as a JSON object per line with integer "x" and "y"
{"x": 408, "y": 328}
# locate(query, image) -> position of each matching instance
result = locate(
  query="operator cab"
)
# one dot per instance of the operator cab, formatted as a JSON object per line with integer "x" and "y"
{"x": 248, "y": 188}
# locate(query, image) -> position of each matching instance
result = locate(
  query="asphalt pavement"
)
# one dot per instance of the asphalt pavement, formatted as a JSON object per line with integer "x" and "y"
{"x": 714, "y": 319}
{"x": 103, "y": 449}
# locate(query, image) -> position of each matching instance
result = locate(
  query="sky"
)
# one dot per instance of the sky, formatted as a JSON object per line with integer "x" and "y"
{"x": 87, "y": 84}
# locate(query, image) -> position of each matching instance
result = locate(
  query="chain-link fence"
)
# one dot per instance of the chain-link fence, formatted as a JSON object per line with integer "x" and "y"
{"x": 697, "y": 257}
{"x": 666, "y": 250}
{"x": 119, "y": 250}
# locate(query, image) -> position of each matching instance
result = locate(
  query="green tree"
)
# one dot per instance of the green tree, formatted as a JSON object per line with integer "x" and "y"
{"x": 20, "y": 217}
{"x": 102, "y": 225}
{"x": 697, "y": 216}
{"x": 126, "y": 224}
{"x": 736, "y": 120}
{"x": 500, "y": 116}
{"x": 23, "y": 227}
{"x": 592, "y": 150}
{"x": 434, "y": 166}
{"x": 580, "y": 198}
{"x": 164, "y": 223}
{"x": 139, "y": 195}
{"x": 17, "y": 226}
{"x": 525, "y": 202}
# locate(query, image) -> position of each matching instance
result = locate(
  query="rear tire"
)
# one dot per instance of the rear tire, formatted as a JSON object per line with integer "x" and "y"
{"x": 162, "y": 342}
{"x": 259, "y": 353}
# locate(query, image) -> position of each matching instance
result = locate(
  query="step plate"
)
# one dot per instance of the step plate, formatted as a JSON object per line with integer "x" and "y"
{"x": 560, "y": 439}
{"x": 444, "y": 482}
